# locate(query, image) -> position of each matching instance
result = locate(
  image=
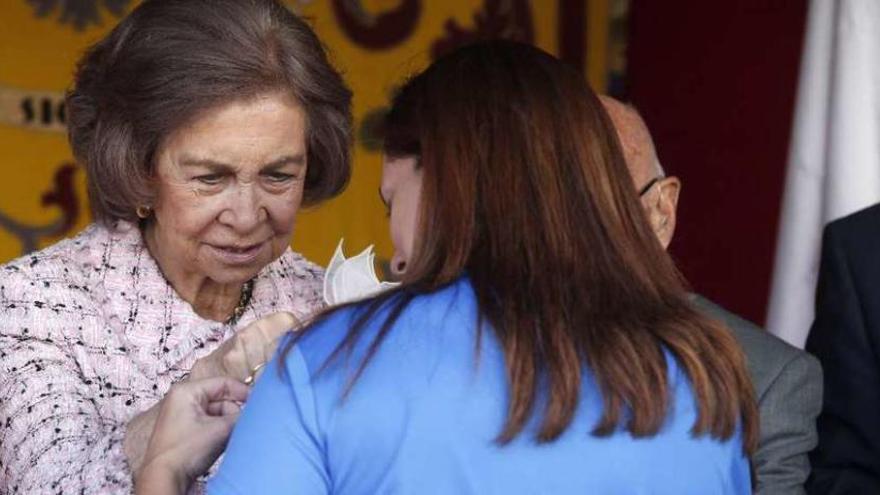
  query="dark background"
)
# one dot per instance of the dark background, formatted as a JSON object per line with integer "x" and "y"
{"x": 716, "y": 83}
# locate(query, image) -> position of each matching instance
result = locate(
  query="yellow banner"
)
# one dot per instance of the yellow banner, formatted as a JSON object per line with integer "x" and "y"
{"x": 376, "y": 43}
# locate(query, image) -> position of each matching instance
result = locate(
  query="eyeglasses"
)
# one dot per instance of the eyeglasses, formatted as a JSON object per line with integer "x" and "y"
{"x": 649, "y": 185}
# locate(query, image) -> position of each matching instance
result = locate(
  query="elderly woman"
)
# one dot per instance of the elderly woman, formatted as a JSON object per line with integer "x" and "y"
{"x": 204, "y": 126}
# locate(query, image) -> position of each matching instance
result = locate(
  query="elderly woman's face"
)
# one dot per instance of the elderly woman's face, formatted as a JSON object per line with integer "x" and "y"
{"x": 229, "y": 187}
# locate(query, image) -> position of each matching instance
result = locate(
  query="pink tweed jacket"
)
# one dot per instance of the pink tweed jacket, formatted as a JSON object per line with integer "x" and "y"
{"x": 91, "y": 334}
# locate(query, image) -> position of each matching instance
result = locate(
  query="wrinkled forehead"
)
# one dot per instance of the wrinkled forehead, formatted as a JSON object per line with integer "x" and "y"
{"x": 638, "y": 147}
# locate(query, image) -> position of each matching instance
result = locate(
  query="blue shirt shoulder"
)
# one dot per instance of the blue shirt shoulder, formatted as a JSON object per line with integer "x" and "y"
{"x": 424, "y": 415}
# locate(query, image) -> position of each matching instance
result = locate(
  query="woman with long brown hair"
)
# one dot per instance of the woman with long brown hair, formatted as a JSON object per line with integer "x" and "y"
{"x": 541, "y": 341}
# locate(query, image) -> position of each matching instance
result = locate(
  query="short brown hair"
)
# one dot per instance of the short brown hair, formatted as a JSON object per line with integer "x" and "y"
{"x": 525, "y": 190}
{"x": 170, "y": 60}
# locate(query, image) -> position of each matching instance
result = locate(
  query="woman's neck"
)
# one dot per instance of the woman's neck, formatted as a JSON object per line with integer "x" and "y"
{"x": 213, "y": 301}
{"x": 209, "y": 299}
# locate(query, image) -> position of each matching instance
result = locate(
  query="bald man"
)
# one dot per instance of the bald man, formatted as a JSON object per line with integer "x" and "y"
{"x": 787, "y": 381}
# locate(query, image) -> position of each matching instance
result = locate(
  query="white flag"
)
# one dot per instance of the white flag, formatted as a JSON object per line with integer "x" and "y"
{"x": 834, "y": 159}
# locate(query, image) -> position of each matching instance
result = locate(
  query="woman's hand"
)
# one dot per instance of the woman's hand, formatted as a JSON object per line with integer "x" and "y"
{"x": 192, "y": 427}
{"x": 242, "y": 356}
{"x": 239, "y": 358}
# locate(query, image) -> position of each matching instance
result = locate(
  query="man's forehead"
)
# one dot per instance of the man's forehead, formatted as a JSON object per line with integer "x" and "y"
{"x": 638, "y": 147}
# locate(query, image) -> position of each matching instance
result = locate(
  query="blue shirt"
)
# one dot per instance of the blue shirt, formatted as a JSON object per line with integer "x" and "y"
{"x": 424, "y": 415}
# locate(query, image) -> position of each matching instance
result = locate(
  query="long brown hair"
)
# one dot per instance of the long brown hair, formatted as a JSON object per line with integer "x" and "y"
{"x": 525, "y": 190}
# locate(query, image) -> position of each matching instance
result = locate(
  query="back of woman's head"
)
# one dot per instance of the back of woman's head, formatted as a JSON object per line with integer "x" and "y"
{"x": 170, "y": 60}
{"x": 521, "y": 171}
{"x": 525, "y": 190}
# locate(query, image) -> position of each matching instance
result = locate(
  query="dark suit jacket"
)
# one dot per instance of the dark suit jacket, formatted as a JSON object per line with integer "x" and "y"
{"x": 846, "y": 338}
{"x": 788, "y": 388}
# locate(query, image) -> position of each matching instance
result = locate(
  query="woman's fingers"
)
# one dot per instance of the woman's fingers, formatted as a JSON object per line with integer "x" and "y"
{"x": 250, "y": 348}
{"x": 223, "y": 408}
{"x": 269, "y": 330}
{"x": 259, "y": 340}
{"x": 220, "y": 389}
{"x": 252, "y": 345}
{"x": 194, "y": 423}
{"x": 235, "y": 362}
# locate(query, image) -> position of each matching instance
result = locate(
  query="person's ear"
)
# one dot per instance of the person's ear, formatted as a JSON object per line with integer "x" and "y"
{"x": 664, "y": 211}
